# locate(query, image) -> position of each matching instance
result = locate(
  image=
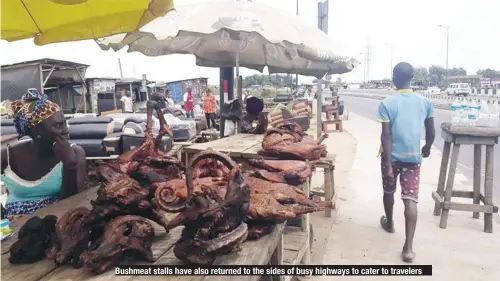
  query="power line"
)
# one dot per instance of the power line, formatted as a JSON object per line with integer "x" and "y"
{"x": 367, "y": 60}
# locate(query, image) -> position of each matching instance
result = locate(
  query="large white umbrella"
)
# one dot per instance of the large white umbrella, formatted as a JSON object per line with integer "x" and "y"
{"x": 238, "y": 33}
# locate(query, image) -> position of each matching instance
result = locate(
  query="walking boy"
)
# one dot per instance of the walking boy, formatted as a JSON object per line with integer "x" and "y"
{"x": 403, "y": 115}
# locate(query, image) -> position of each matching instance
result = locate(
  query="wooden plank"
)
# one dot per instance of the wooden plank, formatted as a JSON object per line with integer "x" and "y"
{"x": 466, "y": 207}
{"x": 476, "y": 194}
{"x": 58, "y": 209}
{"x": 488, "y": 187}
{"x": 296, "y": 243}
{"x": 470, "y": 131}
{"x": 162, "y": 243}
{"x": 232, "y": 145}
{"x": 47, "y": 270}
{"x": 277, "y": 258}
{"x": 442, "y": 177}
{"x": 449, "y": 185}
{"x": 255, "y": 252}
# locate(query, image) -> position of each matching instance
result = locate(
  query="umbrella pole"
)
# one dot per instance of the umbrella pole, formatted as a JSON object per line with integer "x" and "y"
{"x": 237, "y": 80}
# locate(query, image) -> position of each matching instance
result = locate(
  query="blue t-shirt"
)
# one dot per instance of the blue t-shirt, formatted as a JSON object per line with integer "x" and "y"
{"x": 406, "y": 111}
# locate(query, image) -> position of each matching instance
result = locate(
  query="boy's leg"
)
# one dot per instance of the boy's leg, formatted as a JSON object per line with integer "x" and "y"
{"x": 410, "y": 181}
{"x": 389, "y": 186}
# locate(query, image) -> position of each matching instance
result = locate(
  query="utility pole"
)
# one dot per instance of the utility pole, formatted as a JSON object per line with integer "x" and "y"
{"x": 367, "y": 60}
{"x": 391, "y": 56}
{"x": 120, "y": 66}
{"x": 323, "y": 26}
{"x": 447, "y": 49}
{"x": 296, "y": 75}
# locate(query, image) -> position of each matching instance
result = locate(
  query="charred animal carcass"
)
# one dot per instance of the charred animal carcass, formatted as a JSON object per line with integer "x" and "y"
{"x": 34, "y": 238}
{"x": 123, "y": 236}
{"x": 272, "y": 203}
{"x": 287, "y": 142}
{"x": 211, "y": 227}
{"x": 171, "y": 196}
{"x": 71, "y": 237}
{"x": 148, "y": 153}
{"x": 293, "y": 172}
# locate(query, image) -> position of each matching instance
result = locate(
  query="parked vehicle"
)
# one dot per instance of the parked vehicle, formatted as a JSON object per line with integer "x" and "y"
{"x": 458, "y": 89}
{"x": 283, "y": 98}
{"x": 433, "y": 90}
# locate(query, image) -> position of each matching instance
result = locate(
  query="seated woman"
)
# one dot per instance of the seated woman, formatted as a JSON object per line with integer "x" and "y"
{"x": 254, "y": 114}
{"x": 40, "y": 171}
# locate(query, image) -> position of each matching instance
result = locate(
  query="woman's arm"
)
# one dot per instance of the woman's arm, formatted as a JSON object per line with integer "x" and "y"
{"x": 4, "y": 159}
{"x": 74, "y": 176}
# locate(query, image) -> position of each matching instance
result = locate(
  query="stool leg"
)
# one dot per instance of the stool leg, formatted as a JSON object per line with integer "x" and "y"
{"x": 442, "y": 175}
{"x": 449, "y": 185}
{"x": 488, "y": 187}
{"x": 328, "y": 192}
{"x": 476, "y": 194}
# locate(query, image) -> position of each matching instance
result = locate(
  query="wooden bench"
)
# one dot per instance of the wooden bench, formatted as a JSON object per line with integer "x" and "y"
{"x": 329, "y": 192}
{"x": 332, "y": 116}
{"x": 459, "y": 136}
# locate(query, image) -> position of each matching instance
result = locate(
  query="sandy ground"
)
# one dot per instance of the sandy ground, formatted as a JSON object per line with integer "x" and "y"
{"x": 462, "y": 251}
{"x": 343, "y": 145}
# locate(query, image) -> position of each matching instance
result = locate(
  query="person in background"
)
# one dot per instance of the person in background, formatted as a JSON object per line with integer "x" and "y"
{"x": 189, "y": 103}
{"x": 254, "y": 114}
{"x": 127, "y": 103}
{"x": 209, "y": 106}
{"x": 159, "y": 98}
{"x": 46, "y": 168}
{"x": 403, "y": 115}
{"x": 169, "y": 99}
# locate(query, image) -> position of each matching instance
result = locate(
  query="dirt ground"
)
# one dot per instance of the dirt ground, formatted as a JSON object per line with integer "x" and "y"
{"x": 343, "y": 146}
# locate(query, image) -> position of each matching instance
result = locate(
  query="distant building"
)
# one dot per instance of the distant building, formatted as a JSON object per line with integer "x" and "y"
{"x": 179, "y": 87}
{"x": 473, "y": 80}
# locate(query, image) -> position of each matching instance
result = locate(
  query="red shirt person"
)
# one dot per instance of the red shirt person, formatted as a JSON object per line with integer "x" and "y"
{"x": 189, "y": 103}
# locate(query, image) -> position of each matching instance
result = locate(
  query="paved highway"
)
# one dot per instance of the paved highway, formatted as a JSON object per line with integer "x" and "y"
{"x": 367, "y": 108}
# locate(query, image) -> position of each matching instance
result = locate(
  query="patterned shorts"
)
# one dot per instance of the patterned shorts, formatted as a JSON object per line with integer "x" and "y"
{"x": 409, "y": 179}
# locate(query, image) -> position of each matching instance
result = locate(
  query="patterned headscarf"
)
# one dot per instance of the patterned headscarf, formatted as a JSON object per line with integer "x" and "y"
{"x": 32, "y": 109}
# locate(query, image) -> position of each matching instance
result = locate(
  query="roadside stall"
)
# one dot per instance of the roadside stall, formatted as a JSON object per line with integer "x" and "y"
{"x": 252, "y": 35}
{"x": 62, "y": 81}
{"x": 142, "y": 220}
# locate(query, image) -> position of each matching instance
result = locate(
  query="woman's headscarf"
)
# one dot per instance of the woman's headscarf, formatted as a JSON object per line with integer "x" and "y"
{"x": 32, "y": 109}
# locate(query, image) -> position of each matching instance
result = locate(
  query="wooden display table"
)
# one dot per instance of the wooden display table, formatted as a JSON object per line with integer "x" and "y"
{"x": 477, "y": 136}
{"x": 266, "y": 250}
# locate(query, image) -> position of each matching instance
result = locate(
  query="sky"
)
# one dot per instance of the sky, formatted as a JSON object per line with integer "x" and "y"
{"x": 410, "y": 28}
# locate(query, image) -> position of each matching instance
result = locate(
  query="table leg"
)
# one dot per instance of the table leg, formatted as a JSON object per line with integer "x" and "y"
{"x": 328, "y": 192}
{"x": 476, "y": 197}
{"x": 449, "y": 184}
{"x": 442, "y": 175}
{"x": 488, "y": 187}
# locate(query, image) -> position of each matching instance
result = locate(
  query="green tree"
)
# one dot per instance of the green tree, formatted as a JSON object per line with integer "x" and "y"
{"x": 488, "y": 73}
{"x": 421, "y": 74}
{"x": 436, "y": 74}
{"x": 457, "y": 71}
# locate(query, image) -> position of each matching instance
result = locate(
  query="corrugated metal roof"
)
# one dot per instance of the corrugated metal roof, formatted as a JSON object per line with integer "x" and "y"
{"x": 47, "y": 61}
{"x": 195, "y": 78}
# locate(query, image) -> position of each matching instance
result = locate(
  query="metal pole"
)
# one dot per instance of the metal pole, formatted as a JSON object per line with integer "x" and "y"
{"x": 319, "y": 111}
{"x": 296, "y": 75}
{"x": 120, "y": 66}
{"x": 447, "y": 51}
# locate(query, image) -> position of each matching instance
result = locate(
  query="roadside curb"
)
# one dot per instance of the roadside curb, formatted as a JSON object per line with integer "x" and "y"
{"x": 377, "y": 97}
